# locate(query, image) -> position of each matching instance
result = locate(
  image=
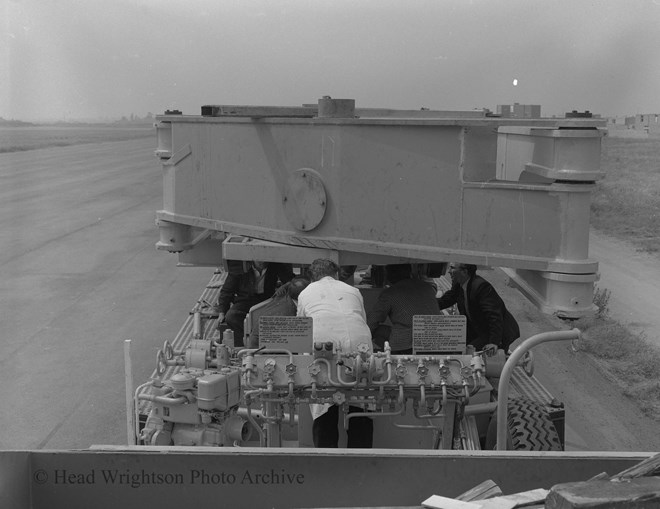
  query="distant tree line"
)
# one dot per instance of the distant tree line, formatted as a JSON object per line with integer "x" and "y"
{"x": 134, "y": 119}
{"x": 14, "y": 123}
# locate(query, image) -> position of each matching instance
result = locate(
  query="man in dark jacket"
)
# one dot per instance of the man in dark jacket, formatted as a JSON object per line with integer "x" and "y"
{"x": 489, "y": 324}
{"x": 400, "y": 302}
{"x": 243, "y": 289}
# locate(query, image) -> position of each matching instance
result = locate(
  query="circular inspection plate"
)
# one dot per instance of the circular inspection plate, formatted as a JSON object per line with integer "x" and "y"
{"x": 304, "y": 199}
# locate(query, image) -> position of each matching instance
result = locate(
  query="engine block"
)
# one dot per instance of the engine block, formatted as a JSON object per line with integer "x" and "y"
{"x": 220, "y": 396}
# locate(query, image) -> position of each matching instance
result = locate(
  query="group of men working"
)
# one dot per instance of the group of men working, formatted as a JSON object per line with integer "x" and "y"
{"x": 338, "y": 315}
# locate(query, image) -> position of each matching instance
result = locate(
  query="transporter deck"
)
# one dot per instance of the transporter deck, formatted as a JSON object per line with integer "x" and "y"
{"x": 523, "y": 385}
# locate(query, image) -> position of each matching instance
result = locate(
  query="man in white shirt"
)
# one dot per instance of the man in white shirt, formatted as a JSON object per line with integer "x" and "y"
{"x": 338, "y": 315}
{"x": 337, "y": 309}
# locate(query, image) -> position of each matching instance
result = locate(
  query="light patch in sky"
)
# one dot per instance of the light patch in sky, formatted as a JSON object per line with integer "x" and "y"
{"x": 515, "y": 82}
{"x": 93, "y": 58}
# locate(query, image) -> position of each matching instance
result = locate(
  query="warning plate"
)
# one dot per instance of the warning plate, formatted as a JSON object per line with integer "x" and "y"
{"x": 439, "y": 334}
{"x": 293, "y": 333}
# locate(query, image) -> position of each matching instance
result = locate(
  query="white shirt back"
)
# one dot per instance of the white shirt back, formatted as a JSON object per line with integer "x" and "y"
{"x": 337, "y": 312}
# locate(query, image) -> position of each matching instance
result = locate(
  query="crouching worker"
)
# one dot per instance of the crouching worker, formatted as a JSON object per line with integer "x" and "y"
{"x": 489, "y": 324}
{"x": 338, "y": 316}
{"x": 284, "y": 303}
{"x": 244, "y": 289}
{"x": 404, "y": 298}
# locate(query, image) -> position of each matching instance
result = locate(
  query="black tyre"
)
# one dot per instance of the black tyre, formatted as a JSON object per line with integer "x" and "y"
{"x": 529, "y": 428}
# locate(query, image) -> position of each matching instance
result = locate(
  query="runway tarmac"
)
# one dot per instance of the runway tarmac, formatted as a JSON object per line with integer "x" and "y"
{"x": 80, "y": 274}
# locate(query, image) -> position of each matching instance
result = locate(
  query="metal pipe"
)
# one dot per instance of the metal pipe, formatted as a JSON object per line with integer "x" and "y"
{"x": 251, "y": 420}
{"x": 329, "y": 369}
{"x": 130, "y": 401}
{"x": 418, "y": 426}
{"x": 264, "y": 351}
{"x": 197, "y": 325}
{"x": 388, "y": 365}
{"x": 503, "y": 387}
{"x": 136, "y": 420}
{"x": 480, "y": 408}
{"x": 375, "y": 414}
{"x": 258, "y": 414}
{"x": 272, "y": 425}
{"x": 432, "y": 414}
{"x": 163, "y": 400}
{"x": 401, "y": 401}
{"x": 467, "y": 392}
{"x": 292, "y": 414}
{"x": 358, "y": 363}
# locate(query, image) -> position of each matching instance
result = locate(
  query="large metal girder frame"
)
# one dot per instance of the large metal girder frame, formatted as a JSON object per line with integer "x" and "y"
{"x": 265, "y": 478}
{"x": 489, "y": 191}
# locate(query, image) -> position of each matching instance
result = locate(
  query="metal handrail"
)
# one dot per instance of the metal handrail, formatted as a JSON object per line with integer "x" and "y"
{"x": 511, "y": 363}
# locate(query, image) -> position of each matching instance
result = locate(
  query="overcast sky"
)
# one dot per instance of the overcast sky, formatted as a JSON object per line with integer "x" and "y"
{"x": 78, "y": 59}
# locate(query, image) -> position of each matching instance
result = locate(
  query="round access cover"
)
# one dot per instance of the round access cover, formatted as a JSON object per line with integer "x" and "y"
{"x": 304, "y": 199}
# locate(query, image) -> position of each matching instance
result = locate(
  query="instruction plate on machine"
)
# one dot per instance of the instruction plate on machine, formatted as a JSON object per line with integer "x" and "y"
{"x": 439, "y": 334}
{"x": 293, "y": 333}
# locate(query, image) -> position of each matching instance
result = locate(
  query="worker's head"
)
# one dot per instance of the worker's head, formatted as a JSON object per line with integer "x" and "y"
{"x": 346, "y": 273}
{"x": 322, "y": 267}
{"x": 298, "y": 284}
{"x": 461, "y": 272}
{"x": 397, "y": 272}
{"x": 259, "y": 265}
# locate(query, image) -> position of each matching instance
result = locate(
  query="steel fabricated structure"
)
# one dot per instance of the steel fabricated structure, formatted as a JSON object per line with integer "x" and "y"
{"x": 381, "y": 186}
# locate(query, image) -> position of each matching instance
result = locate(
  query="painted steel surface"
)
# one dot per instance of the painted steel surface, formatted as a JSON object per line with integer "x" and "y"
{"x": 421, "y": 189}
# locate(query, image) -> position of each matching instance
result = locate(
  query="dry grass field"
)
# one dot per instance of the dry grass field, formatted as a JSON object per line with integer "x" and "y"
{"x": 14, "y": 139}
{"x": 626, "y": 203}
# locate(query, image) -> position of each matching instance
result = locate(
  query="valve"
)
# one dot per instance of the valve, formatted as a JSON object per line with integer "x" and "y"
{"x": 168, "y": 350}
{"x": 291, "y": 369}
{"x": 339, "y": 398}
{"x": 161, "y": 362}
{"x": 269, "y": 368}
{"x": 363, "y": 350}
{"x": 422, "y": 371}
{"x": 477, "y": 363}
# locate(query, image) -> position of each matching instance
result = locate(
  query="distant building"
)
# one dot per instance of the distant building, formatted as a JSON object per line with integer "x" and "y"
{"x": 518, "y": 110}
{"x": 578, "y": 114}
{"x": 638, "y": 126}
{"x": 504, "y": 110}
{"x": 649, "y": 123}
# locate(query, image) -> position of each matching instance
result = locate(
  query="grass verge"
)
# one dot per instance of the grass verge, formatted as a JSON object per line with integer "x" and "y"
{"x": 626, "y": 205}
{"x": 626, "y": 202}
{"x": 626, "y": 358}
